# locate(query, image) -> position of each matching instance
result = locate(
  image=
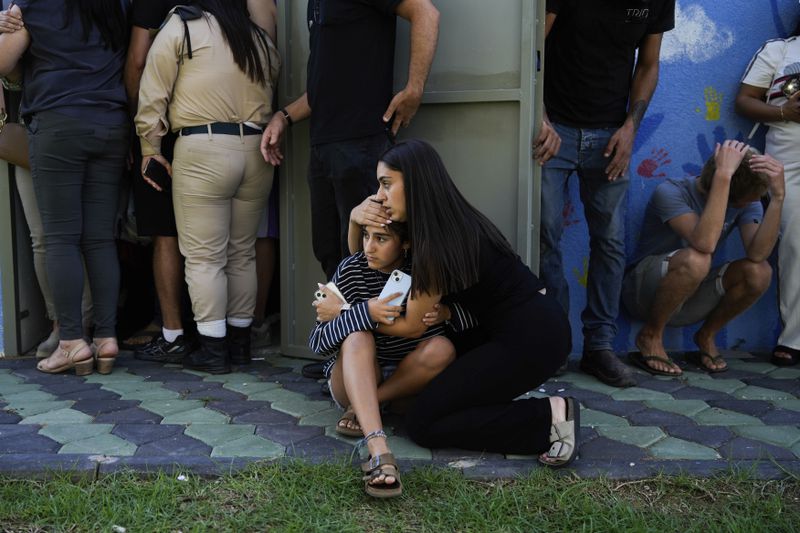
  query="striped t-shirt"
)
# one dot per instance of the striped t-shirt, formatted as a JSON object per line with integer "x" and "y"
{"x": 358, "y": 283}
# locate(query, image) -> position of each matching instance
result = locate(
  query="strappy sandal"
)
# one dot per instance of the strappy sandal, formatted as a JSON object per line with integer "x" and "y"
{"x": 564, "y": 437}
{"x": 696, "y": 358}
{"x": 82, "y": 368}
{"x": 349, "y": 417}
{"x": 105, "y": 361}
{"x": 381, "y": 465}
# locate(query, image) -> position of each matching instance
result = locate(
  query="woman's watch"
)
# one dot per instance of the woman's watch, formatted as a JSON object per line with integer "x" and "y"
{"x": 345, "y": 307}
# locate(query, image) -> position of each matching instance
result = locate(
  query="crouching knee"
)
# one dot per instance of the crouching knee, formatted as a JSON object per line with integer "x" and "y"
{"x": 434, "y": 355}
{"x": 358, "y": 342}
{"x": 757, "y": 275}
{"x": 691, "y": 264}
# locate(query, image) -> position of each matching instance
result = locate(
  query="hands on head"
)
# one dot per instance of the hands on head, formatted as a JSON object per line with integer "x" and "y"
{"x": 10, "y": 21}
{"x": 727, "y": 157}
{"x": 370, "y": 212}
{"x": 773, "y": 170}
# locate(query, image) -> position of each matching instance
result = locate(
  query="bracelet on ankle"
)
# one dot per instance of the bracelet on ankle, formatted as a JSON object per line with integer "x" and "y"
{"x": 373, "y": 435}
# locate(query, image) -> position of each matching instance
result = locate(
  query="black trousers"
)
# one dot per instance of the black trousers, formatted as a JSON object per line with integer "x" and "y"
{"x": 340, "y": 175}
{"x": 470, "y": 405}
{"x": 77, "y": 167}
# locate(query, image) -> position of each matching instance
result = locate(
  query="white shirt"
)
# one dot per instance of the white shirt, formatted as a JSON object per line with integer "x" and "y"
{"x": 770, "y": 67}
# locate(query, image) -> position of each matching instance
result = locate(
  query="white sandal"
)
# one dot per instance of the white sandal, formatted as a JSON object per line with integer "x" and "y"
{"x": 564, "y": 437}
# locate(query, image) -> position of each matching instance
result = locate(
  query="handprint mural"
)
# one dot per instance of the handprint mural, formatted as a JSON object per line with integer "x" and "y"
{"x": 702, "y": 61}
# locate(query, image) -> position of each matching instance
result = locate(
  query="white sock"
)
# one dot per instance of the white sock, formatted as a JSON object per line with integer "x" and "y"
{"x": 171, "y": 334}
{"x": 239, "y": 322}
{"x": 213, "y": 328}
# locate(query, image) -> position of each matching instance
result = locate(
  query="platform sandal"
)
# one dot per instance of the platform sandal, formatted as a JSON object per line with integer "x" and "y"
{"x": 381, "y": 465}
{"x": 82, "y": 368}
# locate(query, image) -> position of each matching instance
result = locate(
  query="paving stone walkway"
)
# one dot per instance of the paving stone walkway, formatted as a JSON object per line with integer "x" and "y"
{"x": 147, "y": 416}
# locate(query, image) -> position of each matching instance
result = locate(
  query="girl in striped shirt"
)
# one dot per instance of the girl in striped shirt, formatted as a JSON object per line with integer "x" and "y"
{"x": 366, "y": 367}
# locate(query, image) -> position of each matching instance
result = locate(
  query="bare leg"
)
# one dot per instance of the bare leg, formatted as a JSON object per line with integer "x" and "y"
{"x": 265, "y": 270}
{"x": 417, "y": 369}
{"x": 744, "y": 282}
{"x": 168, "y": 274}
{"x": 687, "y": 269}
{"x": 358, "y": 366}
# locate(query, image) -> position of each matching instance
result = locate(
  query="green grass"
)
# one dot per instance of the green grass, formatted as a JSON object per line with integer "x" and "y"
{"x": 329, "y": 497}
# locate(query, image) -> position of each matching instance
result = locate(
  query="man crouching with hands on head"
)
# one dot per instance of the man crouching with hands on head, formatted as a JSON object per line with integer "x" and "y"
{"x": 672, "y": 282}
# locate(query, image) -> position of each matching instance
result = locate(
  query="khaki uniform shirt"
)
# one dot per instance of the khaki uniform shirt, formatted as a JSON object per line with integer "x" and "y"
{"x": 176, "y": 92}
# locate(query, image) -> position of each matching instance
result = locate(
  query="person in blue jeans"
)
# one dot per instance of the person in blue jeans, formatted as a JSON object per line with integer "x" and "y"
{"x": 597, "y": 89}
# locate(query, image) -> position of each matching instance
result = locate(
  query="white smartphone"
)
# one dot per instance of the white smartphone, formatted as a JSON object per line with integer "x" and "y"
{"x": 319, "y": 295}
{"x": 398, "y": 282}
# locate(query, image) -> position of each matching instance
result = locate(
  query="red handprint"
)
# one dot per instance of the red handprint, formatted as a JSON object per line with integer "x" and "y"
{"x": 568, "y": 213}
{"x": 658, "y": 158}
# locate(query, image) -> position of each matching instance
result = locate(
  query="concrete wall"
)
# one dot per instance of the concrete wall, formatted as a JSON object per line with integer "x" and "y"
{"x": 702, "y": 60}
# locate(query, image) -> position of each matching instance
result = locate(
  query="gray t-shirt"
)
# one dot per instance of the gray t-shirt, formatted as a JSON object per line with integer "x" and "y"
{"x": 677, "y": 197}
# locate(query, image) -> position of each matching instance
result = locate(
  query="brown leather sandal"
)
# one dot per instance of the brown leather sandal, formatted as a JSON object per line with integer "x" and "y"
{"x": 349, "y": 417}
{"x": 375, "y": 467}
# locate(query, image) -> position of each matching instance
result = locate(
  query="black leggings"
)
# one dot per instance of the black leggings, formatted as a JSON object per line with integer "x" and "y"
{"x": 77, "y": 168}
{"x": 470, "y": 406}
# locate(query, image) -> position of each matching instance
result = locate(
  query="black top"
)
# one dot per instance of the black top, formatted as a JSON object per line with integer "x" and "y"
{"x": 504, "y": 284}
{"x": 590, "y": 57}
{"x": 150, "y": 14}
{"x": 350, "y": 68}
{"x": 63, "y": 73}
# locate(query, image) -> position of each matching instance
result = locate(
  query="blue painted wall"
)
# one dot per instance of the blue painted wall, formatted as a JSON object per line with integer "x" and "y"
{"x": 702, "y": 61}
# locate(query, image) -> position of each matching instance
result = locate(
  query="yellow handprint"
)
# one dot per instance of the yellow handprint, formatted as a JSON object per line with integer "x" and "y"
{"x": 713, "y": 103}
{"x": 582, "y": 277}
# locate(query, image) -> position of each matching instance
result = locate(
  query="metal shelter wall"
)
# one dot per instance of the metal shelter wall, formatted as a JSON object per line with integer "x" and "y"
{"x": 478, "y": 111}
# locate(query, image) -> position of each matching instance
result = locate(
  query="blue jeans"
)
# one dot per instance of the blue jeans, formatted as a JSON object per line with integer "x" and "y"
{"x": 603, "y": 205}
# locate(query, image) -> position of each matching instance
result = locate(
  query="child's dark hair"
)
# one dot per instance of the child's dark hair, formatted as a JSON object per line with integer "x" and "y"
{"x": 400, "y": 229}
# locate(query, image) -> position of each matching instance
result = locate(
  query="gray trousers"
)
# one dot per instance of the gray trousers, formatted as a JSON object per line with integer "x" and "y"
{"x": 30, "y": 207}
{"x": 77, "y": 167}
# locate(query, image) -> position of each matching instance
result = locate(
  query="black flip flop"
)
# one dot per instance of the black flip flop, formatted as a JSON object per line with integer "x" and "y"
{"x": 640, "y": 360}
{"x": 696, "y": 358}
{"x": 793, "y": 359}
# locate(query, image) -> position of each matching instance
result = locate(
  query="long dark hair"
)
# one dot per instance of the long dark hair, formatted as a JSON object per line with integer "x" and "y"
{"x": 445, "y": 228}
{"x": 234, "y": 19}
{"x": 108, "y": 16}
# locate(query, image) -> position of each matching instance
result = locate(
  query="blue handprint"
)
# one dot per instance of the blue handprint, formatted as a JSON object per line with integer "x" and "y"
{"x": 647, "y": 128}
{"x": 705, "y": 149}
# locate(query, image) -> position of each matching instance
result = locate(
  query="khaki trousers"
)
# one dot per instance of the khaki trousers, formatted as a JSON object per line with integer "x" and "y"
{"x": 220, "y": 188}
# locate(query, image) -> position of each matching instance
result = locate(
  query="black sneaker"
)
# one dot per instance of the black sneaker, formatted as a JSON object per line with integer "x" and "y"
{"x": 159, "y": 350}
